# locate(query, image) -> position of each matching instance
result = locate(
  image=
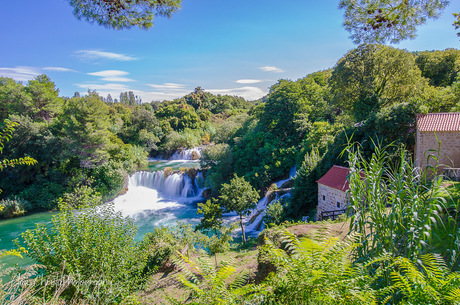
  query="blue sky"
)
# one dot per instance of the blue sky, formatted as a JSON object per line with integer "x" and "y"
{"x": 238, "y": 47}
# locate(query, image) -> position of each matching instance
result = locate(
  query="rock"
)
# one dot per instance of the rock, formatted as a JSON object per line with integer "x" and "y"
{"x": 207, "y": 194}
{"x": 195, "y": 155}
{"x": 287, "y": 184}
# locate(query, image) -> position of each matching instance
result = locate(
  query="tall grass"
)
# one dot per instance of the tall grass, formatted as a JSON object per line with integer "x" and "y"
{"x": 394, "y": 206}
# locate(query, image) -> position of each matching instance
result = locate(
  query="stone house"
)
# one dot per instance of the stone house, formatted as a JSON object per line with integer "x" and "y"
{"x": 446, "y": 128}
{"x": 332, "y": 197}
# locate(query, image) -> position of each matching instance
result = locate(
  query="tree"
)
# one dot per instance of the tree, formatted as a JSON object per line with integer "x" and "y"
{"x": 109, "y": 99}
{"x": 212, "y": 216}
{"x": 381, "y": 21}
{"x": 123, "y": 14}
{"x": 374, "y": 76}
{"x": 45, "y": 101}
{"x": 240, "y": 197}
{"x": 5, "y": 135}
{"x": 84, "y": 127}
{"x": 285, "y": 103}
{"x": 440, "y": 67}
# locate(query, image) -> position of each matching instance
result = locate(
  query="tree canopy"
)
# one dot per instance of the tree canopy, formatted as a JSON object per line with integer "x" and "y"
{"x": 382, "y": 21}
{"x": 123, "y": 14}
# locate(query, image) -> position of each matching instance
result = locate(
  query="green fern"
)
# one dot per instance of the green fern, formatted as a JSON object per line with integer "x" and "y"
{"x": 316, "y": 272}
{"x": 427, "y": 282}
{"x": 211, "y": 286}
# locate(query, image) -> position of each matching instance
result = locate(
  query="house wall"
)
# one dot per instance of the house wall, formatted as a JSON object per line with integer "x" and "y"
{"x": 331, "y": 195}
{"x": 450, "y": 148}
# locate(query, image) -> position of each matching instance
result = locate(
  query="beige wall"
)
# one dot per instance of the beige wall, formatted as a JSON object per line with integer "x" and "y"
{"x": 331, "y": 196}
{"x": 450, "y": 148}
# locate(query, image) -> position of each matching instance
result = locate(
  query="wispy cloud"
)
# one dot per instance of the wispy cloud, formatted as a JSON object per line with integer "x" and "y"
{"x": 101, "y": 55}
{"x": 247, "y": 92}
{"x": 112, "y": 75}
{"x": 248, "y": 81}
{"x": 165, "y": 91}
{"x": 164, "y": 95}
{"x": 20, "y": 73}
{"x": 59, "y": 69}
{"x": 271, "y": 69}
{"x": 168, "y": 86}
{"x": 104, "y": 87}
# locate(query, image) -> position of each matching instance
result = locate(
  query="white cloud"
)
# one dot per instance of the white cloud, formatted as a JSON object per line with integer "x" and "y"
{"x": 161, "y": 96}
{"x": 249, "y": 93}
{"x": 109, "y": 73}
{"x": 271, "y": 69}
{"x": 101, "y": 55}
{"x": 168, "y": 86}
{"x": 105, "y": 87}
{"x": 248, "y": 81}
{"x": 112, "y": 76}
{"x": 59, "y": 69}
{"x": 117, "y": 79}
{"x": 20, "y": 73}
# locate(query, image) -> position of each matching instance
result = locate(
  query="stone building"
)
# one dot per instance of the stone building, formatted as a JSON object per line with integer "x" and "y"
{"x": 446, "y": 128}
{"x": 332, "y": 197}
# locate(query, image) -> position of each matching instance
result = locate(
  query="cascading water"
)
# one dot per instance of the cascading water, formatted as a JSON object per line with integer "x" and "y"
{"x": 187, "y": 154}
{"x": 153, "y": 200}
{"x": 254, "y": 224}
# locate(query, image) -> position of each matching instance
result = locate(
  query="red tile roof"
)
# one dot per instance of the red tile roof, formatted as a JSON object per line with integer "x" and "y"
{"x": 439, "y": 122}
{"x": 336, "y": 178}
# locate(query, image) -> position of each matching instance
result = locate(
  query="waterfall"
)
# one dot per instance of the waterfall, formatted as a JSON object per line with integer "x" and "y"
{"x": 187, "y": 154}
{"x": 151, "y": 194}
{"x": 257, "y": 215}
{"x": 175, "y": 185}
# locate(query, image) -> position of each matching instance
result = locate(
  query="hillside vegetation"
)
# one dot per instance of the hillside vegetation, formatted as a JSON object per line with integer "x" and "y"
{"x": 402, "y": 240}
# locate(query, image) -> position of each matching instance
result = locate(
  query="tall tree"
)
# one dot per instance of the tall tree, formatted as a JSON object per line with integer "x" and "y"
{"x": 109, "y": 99}
{"x": 13, "y": 98}
{"x": 374, "y": 76}
{"x": 46, "y": 102}
{"x": 440, "y": 67}
{"x": 240, "y": 197}
{"x": 84, "y": 126}
{"x": 122, "y": 14}
{"x": 285, "y": 105}
{"x": 381, "y": 21}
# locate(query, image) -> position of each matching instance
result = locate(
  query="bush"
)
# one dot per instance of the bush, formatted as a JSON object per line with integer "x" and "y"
{"x": 274, "y": 213}
{"x": 80, "y": 196}
{"x": 13, "y": 207}
{"x": 95, "y": 246}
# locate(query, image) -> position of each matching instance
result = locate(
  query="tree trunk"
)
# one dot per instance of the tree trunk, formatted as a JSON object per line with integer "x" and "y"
{"x": 242, "y": 228}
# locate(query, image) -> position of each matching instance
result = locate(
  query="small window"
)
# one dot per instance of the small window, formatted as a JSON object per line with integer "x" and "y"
{"x": 324, "y": 198}
{"x": 338, "y": 204}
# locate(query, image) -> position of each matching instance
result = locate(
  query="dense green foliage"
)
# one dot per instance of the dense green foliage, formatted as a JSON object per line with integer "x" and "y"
{"x": 391, "y": 21}
{"x": 94, "y": 245}
{"x": 85, "y": 145}
{"x": 121, "y": 14}
{"x": 240, "y": 197}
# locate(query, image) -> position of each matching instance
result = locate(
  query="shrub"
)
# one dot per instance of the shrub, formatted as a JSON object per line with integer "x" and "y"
{"x": 95, "y": 246}
{"x": 13, "y": 207}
